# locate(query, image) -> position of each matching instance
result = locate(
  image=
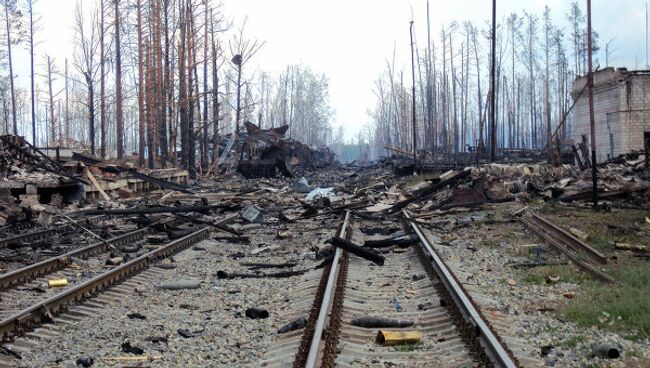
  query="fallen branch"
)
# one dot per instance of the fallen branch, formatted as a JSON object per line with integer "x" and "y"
{"x": 365, "y": 253}
{"x": 277, "y": 275}
{"x": 429, "y": 190}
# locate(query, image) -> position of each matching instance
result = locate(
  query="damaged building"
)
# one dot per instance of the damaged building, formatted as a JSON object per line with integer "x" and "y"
{"x": 622, "y": 115}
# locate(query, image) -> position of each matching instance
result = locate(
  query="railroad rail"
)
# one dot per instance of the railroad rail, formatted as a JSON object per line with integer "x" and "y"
{"x": 574, "y": 249}
{"x": 26, "y": 274}
{"x": 480, "y": 332}
{"x": 44, "y": 311}
{"x": 454, "y": 331}
{"x": 30, "y": 236}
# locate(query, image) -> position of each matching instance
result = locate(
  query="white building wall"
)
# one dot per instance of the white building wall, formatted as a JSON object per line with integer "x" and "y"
{"x": 621, "y": 111}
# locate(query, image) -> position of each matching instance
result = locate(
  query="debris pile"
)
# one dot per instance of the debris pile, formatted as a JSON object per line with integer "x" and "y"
{"x": 623, "y": 179}
{"x": 266, "y": 152}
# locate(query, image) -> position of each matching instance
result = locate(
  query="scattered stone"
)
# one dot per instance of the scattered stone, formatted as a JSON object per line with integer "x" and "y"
{"x": 131, "y": 248}
{"x": 579, "y": 234}
{"x": 253, "y": 214}
{"x": 553, "y": 279}
{"x": 418, "y": 277}
{"x": 511, "y": 282}
{"x": 257, "y": 313}
{"x": 136, "y": 316}
{"x": 85, "y": 361}
{"x": 546, "y": 349}
{"x": 301, "y": 186}
{"x": 128, "y": 348}
{"x": 296, "y": 324}
{"x": 286, "y": 234}
{"x": 526, "y": 250}
{"x": 181, "y": 284}
{"x": 166, "y": 266}
{"x": 185, "y": 333}
{"x": 114, "y": 261}
{"x": 156, "y": 339}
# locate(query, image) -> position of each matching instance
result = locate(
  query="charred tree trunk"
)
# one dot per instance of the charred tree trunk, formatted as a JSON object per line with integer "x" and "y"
{"x": 160, "y": 87}
{"x": 50, "y": 71}
{"x": 182, "y": 87}
{"x": 168, "y": 90}
{"x": 215, "y": 98}
{"x": 141, "y": 112}
{"x": 91, "y": 111}
{"x": 119, "y": 116}
{"x": 205, "y": 140}
{"x": 67, "y": 105}
{"x": 102, "y": 82}
{"x": 190, "y": 86}
{"x": 11, "y": 72}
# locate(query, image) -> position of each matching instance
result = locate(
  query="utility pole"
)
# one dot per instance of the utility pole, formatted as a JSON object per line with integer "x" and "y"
{"x": 493, "y": 130}
{"x": 590, "y": 83}
{"x": 415, "y": 151}
{"x": 31, "y": 52}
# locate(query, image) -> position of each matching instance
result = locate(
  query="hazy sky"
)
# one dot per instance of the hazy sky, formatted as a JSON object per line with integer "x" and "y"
{"x": 350, "y": 40}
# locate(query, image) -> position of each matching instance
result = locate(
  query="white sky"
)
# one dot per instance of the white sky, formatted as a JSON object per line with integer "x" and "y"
{"x": 350, "y": 40}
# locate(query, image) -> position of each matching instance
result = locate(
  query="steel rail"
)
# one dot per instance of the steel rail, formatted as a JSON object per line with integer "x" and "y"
{"x": 315, "y": 346}
{"x": 28, "y": 273}
{"x": 45, "y": 233}
{"x": 542, "y": 232}
{"x": 44, "y": 311}
{"x": 490, "y": 343}
{"x": 568, "y": 239}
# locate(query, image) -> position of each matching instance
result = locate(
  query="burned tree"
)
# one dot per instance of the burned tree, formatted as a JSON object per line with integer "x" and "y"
{"x": 86, "y": 42}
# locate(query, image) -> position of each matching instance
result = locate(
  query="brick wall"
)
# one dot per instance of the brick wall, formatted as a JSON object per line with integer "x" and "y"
{"x": 621, "y": 109}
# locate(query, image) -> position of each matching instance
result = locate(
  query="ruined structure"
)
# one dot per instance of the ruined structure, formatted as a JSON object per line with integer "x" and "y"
{"x": 621, "y": 108}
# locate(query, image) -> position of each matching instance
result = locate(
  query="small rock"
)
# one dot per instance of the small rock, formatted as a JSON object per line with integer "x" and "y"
{"x": 136, "y": 316}
{"x": 553, "y": 279}
{"x": 166, "y": 266}
{"x": 511, "y": 282}
{"x": 579, "y": 233}
{"x": 156, "y": 339}
{"x": 545, "y": 350}
{"x": 285, "y": 234}
{"x": 85, "y": 361}
{"x": 569, "y": 294}
{"x": 185, "y": 333}
{"x": 253, "y": 214}
{"x": 257, "y": 313}
{"x": 114, "y": 261}
{"x": 128, "y": 348}
{"x": 296, "y": 324}
{"x": 181, "y": 284}
{"x": 301, "y": 186}
{"x": 418, "y": 277}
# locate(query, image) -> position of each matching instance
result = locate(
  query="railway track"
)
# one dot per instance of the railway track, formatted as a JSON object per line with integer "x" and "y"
{"x": 31, "y": 235}
{"x": 28, "y": 273}
{"x": 573, "y": 248}
{"x": 25, "y": 308}
{"x": 413, "y": 286}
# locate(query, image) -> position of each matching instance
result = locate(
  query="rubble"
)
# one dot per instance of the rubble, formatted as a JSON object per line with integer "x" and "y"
{"x": 266, "y": 152}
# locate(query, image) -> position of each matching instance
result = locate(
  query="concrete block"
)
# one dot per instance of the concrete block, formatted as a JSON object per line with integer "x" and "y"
{"x": 31, "y": 189}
